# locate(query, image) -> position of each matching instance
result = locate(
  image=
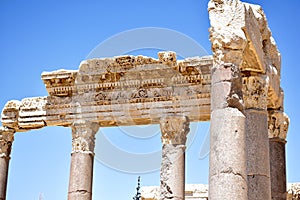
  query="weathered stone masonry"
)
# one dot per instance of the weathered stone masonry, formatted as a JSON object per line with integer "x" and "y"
{"x": 237, "y": 89}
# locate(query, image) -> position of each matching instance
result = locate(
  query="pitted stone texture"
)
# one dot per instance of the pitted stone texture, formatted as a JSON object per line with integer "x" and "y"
{"x": 226, "y": 87}
{"x": 227, "y": 171}
{"x": 277, "y": 169}
{"x": 6, "y": 140}
{"x": 255, "y": 92}
{"x": 258, "y": 160}
{"x": 83, "y": 136}
{"x": 123, "y": 90}
{"x": 81, "y": 176}
{"x": 174, "y": 129}
{"x": 259, "y": 187}
{"x": 172, "y": 173}
{"x": 167, "y": 57}
{"x": 10, "y": 114}
{"x": 278, "y": 123}
{"x": 293, "y": 191}
{"x": 82, "y": 160}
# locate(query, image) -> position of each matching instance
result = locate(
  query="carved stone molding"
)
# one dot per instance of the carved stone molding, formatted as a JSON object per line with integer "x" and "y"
{"x": 6, "y": 140}
{"x": 174, "y": 129}
{"x": 278, "y": 123}
{"x": 255, "y": 92}
{"x": 83, "y": 136}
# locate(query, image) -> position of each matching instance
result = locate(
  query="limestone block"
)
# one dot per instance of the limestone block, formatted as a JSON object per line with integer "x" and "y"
{"x": 253, "y": 57}
{"x": 32, "y": 113}
{"x": 275, "y": 95}
{"x": 226, "y": 87}
{"x": 60, "y": 82}
{"x": 255, "y": 92}
{"x": 168, "y": 57}
{"x": 227, "y": 19}
{"x": 10, "y": 114}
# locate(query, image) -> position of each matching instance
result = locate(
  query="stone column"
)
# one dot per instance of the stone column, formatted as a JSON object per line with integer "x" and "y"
{"x": 174, "y": 130}
{"x": 82, "y": 160}
{"x": 227, "y": 164}
{"x": 6, "y": 140}
{"x": 278, "y": 127}
{"x": 255, "y": 91}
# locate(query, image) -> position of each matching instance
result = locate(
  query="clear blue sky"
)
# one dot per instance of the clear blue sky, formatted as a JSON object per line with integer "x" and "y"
{"x": 39, "y": 36}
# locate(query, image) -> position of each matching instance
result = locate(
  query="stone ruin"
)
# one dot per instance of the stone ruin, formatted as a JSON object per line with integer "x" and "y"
{"x": 237, "y": 89}
{"x": 200, "y": 192}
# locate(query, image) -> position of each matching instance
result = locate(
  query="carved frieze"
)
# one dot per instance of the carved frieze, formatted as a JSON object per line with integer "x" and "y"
{"x": 278, "y": 124}
{"x": 255, "y": 92}
{"x": 59, "y": 83}
{"x": 174, "y": 129}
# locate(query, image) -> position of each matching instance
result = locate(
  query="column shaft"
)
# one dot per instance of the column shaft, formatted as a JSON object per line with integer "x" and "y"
{"x": 172, "y": 175}
{"x": 4, "y": 163}
{"x": 278, "y": 127}
{"x": 173, "y": 171}
{"x": 258, "y": 162}
{"x": 227, "y": 164}
{"x": 277, "y": 169}
{"x": 82, "y": 160}
{"x": 255, "y": 91}
{"x": 6, "y": 139}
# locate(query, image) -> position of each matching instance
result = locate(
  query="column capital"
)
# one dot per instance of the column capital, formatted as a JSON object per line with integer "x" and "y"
{"x": 278, "y": 124}
{"x": 174, "y": 129}
{"x": 83, "y": 136}
{"x": 6, "y": 140}
{"x": 255, "y": 92}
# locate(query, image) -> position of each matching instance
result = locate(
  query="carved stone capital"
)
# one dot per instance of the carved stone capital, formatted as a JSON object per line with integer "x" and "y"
{"x": 174, "y": 129}
{"x": 6, "y": 140}
{"x": 255, "y": 92}
{"x": 83, "y": 136}
{"x": 278, "y": 124}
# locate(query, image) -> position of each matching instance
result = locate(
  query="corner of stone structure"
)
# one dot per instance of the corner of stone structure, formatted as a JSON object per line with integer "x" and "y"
{"x": 10, "y": 114}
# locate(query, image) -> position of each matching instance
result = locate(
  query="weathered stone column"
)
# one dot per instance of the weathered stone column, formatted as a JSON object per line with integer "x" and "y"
{"x": 255, "y": 91}
{"x": 82, "y": 160}
{"x": 174, "y": 130}
{"x": 227, "y": 164}
{"x": 6, "y": 140}
{"x": 278, "y": 127}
